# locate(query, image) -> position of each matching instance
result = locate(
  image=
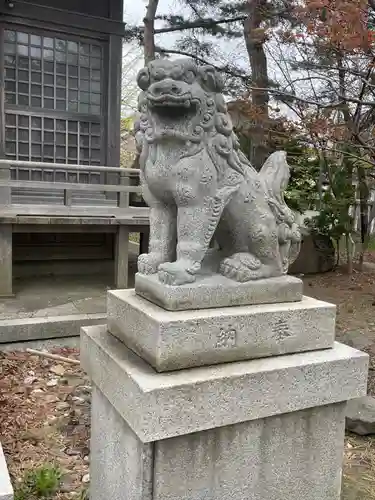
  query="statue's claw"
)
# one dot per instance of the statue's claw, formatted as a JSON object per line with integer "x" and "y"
{"x": 148, "y": 263}
{"x": 175, "y": 273}
{"x": 244, "y": 267}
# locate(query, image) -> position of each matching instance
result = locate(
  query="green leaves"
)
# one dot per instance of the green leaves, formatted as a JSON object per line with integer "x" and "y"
{"x": 323, "y": 15}
{"x": 42, "y": 482}
{"x": 302, "y": 192}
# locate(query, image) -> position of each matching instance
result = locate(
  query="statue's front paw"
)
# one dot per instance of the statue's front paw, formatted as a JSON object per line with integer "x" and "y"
{"x": 176, "y": 273}
{"x": 148, "y": 263}
{"x": 241, "y": 267}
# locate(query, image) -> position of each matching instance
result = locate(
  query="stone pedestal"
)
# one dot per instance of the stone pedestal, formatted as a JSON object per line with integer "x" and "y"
{"x": 171, "y": 340}
{"x": 214, "y": 291}
{"x": 262, "y": 429}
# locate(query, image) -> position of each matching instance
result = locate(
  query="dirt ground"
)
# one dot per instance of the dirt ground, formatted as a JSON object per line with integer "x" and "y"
{"x": 355, "y": 299}
{"x": 355, "y": 325}
{"x": 45, "y": 404}
{"x": 45, "y": 418}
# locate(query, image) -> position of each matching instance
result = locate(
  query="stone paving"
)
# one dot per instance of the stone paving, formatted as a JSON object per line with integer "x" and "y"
{"x": 59, "y": 295}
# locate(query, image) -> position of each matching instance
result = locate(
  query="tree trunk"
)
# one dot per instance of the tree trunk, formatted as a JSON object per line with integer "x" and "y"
{"x": 364, "y": 215}
{"x": 254, "y": 39}
{"x": 149, "y": 31}
{"x": 349, "y": 253}
{"x": 338, "y": 241}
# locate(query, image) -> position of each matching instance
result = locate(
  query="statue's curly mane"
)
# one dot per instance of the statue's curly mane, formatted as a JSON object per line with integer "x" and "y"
{"x": 211, "y": 128}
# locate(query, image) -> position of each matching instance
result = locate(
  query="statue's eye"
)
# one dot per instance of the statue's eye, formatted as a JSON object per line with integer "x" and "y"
{"x": 189, "y": 76}
{"x": 176, "y": 73}
{"x": 159, "y": 75}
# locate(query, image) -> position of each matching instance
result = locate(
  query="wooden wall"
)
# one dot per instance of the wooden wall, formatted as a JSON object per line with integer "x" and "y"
{"x": 97, "y": 20}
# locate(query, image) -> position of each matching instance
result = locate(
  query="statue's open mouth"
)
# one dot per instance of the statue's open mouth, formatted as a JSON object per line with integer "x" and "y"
{"x": 181, "y": 100}
{"x": 172, "y": 105}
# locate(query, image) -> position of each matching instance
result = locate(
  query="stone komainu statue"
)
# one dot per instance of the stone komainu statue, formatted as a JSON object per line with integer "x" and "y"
{"x": 200, "y": 186}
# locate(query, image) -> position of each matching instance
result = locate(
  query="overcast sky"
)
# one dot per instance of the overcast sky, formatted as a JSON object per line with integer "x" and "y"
{"x": 134, "y": 11}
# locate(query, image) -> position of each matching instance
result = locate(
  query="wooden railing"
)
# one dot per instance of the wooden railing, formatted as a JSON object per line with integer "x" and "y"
{"x": 50, "y": 217}
{"x": 68, "y": 178}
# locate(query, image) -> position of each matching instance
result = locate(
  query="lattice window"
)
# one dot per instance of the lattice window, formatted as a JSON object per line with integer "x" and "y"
{"x": 53, "y": 98}
{"x": 52, "y": 73}
{"x": 52, "y": 140}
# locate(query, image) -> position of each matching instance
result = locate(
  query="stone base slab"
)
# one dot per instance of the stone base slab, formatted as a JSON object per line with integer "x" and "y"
{"x": 212, "y": 291}
{"x": 290, "y": 456}
{"x": 159, "y": 406}
{"x": 50, "y": 327}
{"x": 171, "y": 340}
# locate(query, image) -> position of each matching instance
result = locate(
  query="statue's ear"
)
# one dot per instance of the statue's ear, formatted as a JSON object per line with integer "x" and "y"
{"x": 211, "y": 80}
{"x": 143, "y": 79}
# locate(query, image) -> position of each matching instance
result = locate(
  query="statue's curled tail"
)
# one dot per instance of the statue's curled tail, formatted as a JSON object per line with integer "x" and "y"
{"x": 275, "y": 175}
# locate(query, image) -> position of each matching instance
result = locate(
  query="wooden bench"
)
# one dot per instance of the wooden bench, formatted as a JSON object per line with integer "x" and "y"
{"x": 116, "y": 217}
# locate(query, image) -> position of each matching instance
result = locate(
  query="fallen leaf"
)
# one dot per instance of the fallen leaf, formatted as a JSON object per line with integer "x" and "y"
{"x": 57, "y": 370}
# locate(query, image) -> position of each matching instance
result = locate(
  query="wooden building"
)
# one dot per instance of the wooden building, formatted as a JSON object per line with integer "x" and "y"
{"x": 60, "y": 106}
{"x": 60, "y": 70}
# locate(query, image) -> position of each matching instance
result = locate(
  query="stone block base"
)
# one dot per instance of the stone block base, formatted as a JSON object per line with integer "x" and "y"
{"x": 214, "y": 291}
{"x": 171, "y": 340}
{"x": 291, "y": 456}
{"x": 270, "y": 429}
{"x": 164, "y": 405}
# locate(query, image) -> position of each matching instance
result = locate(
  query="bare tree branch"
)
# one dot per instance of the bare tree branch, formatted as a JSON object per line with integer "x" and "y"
{"x": 357, "y": 114}
{"x": 337, "y": 104}
{"x": 224, "y": 69}
{"x": 200, "y": 23}
{"x": 194, "y": 9}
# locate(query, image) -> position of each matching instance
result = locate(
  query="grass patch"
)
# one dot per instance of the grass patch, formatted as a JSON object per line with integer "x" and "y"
{"x": 42, "y": 482}
{"x": 84, "y": 494}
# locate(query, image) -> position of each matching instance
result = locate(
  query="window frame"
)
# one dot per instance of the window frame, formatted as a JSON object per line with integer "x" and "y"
{"x": 20, "y": 110}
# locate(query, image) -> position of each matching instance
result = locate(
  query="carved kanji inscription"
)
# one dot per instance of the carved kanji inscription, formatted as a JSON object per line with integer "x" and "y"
{"x": 226, "y": 337}
{"x": 281, "y": 329}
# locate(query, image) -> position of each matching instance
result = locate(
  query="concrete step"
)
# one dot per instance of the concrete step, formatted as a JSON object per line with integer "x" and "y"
{"x": 41, "y": 345}
{"x": 51, "y": 327}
